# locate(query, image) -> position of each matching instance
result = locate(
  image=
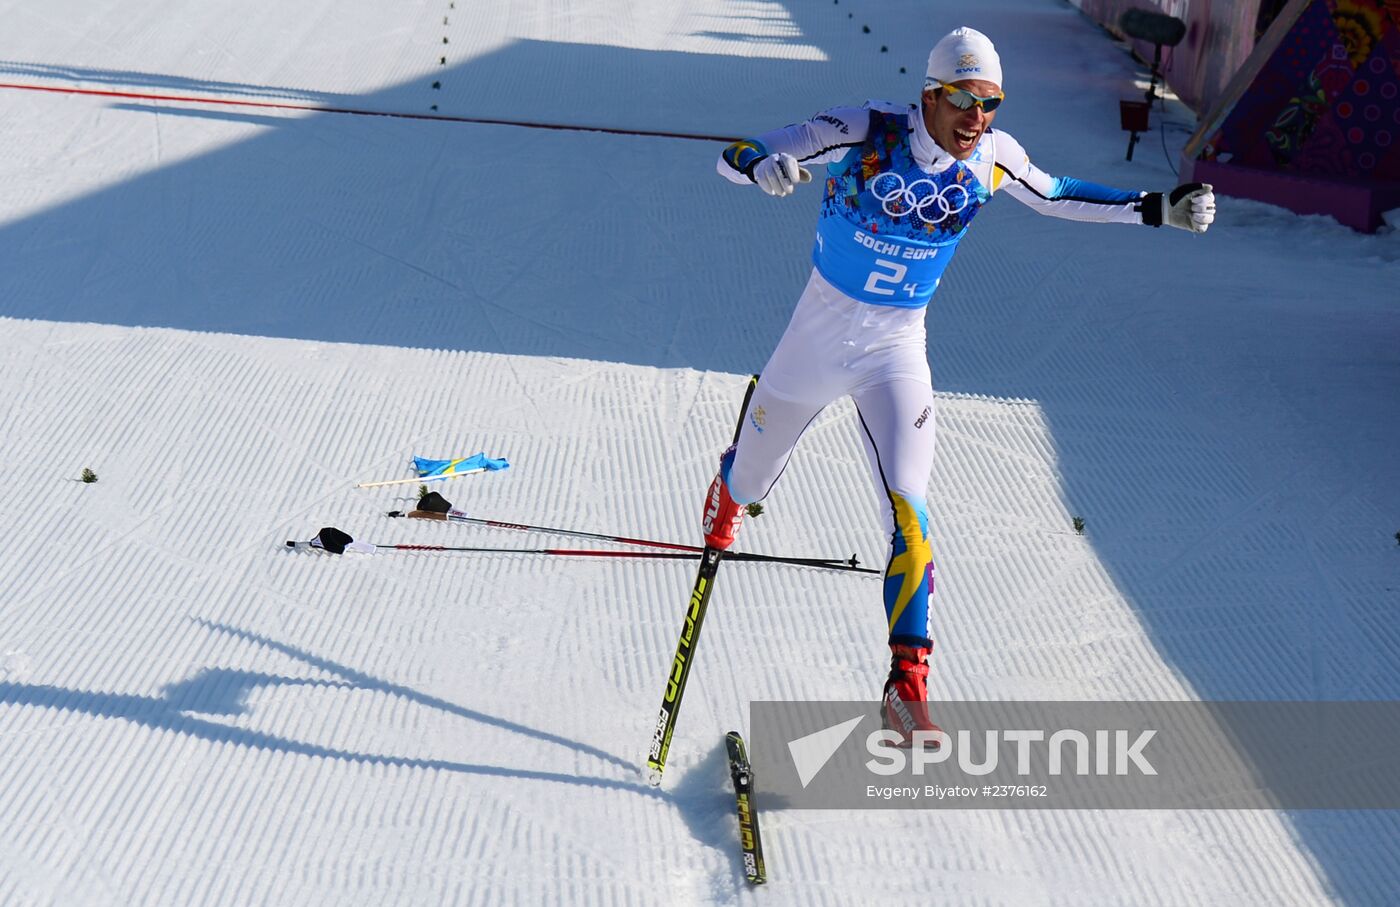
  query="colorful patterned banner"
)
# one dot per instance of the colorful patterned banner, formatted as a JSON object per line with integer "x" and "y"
{"x": 1327, "y": 102}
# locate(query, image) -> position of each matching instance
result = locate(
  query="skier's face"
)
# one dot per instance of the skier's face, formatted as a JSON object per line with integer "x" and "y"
{"x": 958, "y": 131}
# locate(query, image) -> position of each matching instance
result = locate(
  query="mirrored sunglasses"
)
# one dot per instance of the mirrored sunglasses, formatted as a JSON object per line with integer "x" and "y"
{"x": 963, "y": 99}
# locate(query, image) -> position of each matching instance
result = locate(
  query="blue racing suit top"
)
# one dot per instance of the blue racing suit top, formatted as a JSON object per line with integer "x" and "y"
{"x": 888, "y": 228}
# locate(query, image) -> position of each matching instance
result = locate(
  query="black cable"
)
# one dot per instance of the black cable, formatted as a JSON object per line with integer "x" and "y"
{"x": 1166, "y": 153}
{"x": 1171, "y": 52}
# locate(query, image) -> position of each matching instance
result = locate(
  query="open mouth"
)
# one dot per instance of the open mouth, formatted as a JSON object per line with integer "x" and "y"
{"x": 965, "y": 139}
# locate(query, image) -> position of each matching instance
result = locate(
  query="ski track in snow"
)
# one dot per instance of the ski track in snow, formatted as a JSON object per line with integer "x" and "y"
{"x": 233, "y": 317}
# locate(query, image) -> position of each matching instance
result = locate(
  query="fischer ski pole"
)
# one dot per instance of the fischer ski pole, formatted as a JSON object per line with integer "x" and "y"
{"x": 676, "y": 679}
{"x": 434, "y": 506}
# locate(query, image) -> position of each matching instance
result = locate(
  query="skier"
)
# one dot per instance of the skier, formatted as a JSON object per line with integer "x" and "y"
{"x": 901, "y": 186}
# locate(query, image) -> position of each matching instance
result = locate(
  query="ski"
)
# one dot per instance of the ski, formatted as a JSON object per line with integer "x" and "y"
{"x": 680, "y": 665}
{"x": 690, "y": 635}
{"x": 749, "y": 840}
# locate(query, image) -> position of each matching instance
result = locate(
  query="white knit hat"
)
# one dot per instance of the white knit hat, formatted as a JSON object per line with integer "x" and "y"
{"x": 963, "y": 53}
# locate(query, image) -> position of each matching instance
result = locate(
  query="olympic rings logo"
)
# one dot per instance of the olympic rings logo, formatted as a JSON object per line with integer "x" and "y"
{"x": 918, "y": 197}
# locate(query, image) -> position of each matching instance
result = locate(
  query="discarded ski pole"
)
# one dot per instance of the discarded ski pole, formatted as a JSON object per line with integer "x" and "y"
{"x": 434, "y": 506}
{"x": 420, "y": 479}
{"x": 337, "y": 541}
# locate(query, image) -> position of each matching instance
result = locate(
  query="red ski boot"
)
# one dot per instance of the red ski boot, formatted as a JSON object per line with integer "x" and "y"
{"x": 722, "y": 516}
{"x": 905, "y": 706}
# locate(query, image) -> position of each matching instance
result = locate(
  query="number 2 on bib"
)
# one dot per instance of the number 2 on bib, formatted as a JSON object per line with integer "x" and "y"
{"x": 891, "y": 273}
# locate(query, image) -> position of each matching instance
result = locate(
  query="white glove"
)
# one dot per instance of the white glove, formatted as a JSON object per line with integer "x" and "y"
{"x": 779, "y": 174}
{"x": 1190, "y": 206}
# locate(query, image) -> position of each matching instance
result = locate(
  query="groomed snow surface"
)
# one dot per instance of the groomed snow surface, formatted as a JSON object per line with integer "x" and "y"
{"x": 233, "y": 314}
